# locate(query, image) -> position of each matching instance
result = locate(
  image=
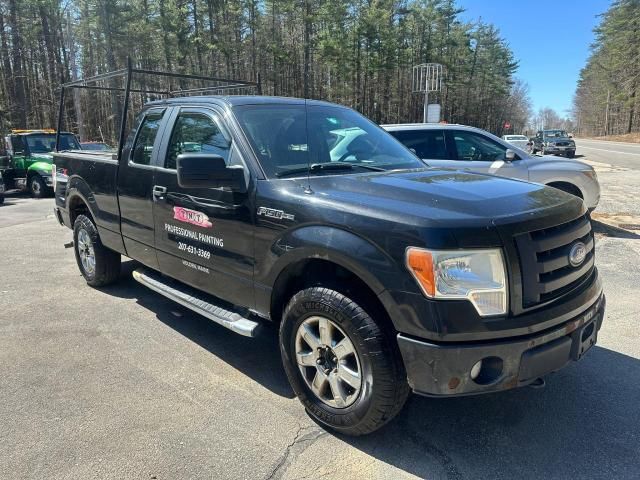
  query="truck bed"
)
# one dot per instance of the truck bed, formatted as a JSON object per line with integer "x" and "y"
{"x": 92, "y": 175}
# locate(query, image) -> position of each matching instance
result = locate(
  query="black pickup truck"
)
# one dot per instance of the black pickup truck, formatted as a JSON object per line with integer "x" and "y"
{"x": 382, "y": 275}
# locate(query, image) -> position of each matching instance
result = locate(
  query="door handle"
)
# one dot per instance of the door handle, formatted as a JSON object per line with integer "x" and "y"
{"x": 159, "y": 191}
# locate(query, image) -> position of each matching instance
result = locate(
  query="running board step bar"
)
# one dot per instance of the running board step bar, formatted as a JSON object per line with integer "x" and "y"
{"x": 193, "y": 300}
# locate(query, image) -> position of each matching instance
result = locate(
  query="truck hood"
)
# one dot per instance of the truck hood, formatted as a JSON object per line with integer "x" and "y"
{"x": 43, "y": 157}
{"x": 442, "y": 198}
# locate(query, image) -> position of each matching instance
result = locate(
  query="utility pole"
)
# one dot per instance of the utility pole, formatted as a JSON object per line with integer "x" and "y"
{"x": 74, "y": 76}
{"x": 606, "y": 114}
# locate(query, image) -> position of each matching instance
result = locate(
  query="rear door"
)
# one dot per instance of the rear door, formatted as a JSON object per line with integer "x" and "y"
{"x": 480, "y": 153}
{"x": 204, "y": 236}
{"x": 427, "y": 144}
{"x": 135, "y": 182}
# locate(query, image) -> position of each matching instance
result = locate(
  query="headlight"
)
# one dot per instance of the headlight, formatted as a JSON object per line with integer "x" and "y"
{"x": 591, "y": 174}
{"x": 476, "y": 275}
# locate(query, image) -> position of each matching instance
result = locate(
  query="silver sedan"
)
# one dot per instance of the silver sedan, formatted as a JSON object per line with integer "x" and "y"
{"x": 519, "y": 141}
{"x": 469, "y": 148}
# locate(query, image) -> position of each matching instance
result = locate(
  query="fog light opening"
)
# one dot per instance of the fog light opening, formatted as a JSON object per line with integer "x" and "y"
{"x": 487, "y": 370}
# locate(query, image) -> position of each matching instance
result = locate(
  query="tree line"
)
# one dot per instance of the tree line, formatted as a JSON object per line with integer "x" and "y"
{"x": 355, "y": 52}
{"x": 606, "y": 100}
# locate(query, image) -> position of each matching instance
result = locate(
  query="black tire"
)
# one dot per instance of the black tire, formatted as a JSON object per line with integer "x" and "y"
{"x": 384, "y": 387}
{"x": 106, "y": 268}
{"x": 571, "y": 154}
{"x": 1, "y": 199}
{"x": 534, "y": 151}
{"x": 37, "y": 187}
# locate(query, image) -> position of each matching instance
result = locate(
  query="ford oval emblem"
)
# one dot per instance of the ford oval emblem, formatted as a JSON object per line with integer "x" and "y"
{"x": 577, "y": 254}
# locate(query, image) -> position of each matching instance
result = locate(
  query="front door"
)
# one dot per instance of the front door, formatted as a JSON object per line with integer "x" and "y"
{"x": 479, "y": 153}
{"x": 204, "y": 236}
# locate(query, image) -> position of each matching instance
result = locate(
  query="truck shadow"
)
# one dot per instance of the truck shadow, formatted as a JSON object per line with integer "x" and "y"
{"x": 258, "y": 358}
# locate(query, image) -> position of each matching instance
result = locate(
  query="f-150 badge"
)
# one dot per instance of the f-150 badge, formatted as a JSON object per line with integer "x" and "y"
{"x": 191, "y": 216}
{"x": 273, "y": 213}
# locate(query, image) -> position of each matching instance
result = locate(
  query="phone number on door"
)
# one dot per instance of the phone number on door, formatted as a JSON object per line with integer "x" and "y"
{"x": 194, "y": 251}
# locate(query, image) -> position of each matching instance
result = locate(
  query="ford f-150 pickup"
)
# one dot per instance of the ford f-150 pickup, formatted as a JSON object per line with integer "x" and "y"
{"x": 382, "y": 275}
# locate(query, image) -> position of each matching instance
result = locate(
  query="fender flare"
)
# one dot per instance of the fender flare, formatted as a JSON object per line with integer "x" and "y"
{"x": 354, "y": 253}
{"x": 78, "y": 189}
{"x": 39, "y": 168}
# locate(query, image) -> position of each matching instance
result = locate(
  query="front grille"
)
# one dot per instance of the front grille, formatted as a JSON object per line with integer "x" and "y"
{"x": 562, "y": 144}
{"x": 544, "y": 260}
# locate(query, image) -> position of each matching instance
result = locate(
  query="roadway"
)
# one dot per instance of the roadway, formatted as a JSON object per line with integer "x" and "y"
{"x": 121, "y": 383}
{"x": 622, "y": 155}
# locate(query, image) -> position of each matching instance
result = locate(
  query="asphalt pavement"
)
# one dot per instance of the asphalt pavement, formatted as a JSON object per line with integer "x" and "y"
{"x": 122, "y": 383}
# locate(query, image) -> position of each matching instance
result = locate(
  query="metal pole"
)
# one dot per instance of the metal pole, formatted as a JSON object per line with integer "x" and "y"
{"x": 60, "y": 117}
{"x": 426, "y": 102}
{"x": 125, "y": 110}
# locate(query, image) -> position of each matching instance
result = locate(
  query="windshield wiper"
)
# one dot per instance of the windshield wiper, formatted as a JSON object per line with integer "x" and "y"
{"x": 320, "y": 167}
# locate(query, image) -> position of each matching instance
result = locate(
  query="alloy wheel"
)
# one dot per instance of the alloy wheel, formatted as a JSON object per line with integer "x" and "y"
{"x": 328, "y": 362}
{"x": 86, "y": 252}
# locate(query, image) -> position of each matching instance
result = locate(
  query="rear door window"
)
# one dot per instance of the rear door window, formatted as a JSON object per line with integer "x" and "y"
{"x": 147, "y": 133}
{"x": 427, "y": 144}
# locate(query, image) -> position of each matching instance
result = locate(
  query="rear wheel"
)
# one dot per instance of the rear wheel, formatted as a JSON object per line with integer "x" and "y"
{"x": 37, "y": 187}
{"x": 342, "y": 365}
{"x": 98, "y": 264}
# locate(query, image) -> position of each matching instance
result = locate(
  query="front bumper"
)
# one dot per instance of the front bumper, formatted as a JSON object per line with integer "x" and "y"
{"x": 445, "y": 369}
{"x": 558, "y": 149}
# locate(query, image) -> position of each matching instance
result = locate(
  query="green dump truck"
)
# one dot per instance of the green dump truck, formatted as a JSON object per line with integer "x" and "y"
{"x": 25, "y": 163}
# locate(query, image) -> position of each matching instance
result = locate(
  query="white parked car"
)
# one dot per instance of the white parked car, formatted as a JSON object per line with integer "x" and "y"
{"x": 469, "y": 148}
{"x": 519, "y": 141}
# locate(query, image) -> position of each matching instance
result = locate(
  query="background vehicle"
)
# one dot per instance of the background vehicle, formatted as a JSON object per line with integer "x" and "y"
{"x": 27, "y": 163}
{"x": 557, "y": 142}
{"x": 469, "y": 148}
{"x": 520, "y": 141}
{"x": 96, "y": 146}
{"x": 381, "y": 274}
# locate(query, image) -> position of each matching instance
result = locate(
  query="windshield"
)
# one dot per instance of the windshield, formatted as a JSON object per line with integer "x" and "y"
{"x": 46, "y": 142}
{"x": 555, "y": 133}
{"x": 95, "y": 146}
{"x": 286, "y": 140}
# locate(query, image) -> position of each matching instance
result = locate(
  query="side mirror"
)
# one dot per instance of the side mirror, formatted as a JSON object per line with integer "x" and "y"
{"x": 509, "y": 155}
{"x": 204, "y": 170}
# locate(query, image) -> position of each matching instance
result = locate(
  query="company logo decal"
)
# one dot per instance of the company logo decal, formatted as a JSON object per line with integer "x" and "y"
{"x": 577, "y": 254}
{"x": 191, "y": 216}
{"x": 273, "y": 213}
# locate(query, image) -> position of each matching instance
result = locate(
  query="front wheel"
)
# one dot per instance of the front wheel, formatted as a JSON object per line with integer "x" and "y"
{"x": 37, "y": 187}
{"x": 342, "y": 365}
{"x": 98, "y": 264}
{"x": 571, "y": 154}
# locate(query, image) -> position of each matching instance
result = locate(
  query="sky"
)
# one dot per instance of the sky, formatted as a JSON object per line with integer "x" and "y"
{"x": 550, "y": 40}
